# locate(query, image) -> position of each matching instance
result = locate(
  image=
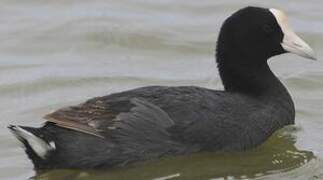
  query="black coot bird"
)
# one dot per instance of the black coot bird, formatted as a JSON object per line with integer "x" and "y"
{"x": 155, "y": 121}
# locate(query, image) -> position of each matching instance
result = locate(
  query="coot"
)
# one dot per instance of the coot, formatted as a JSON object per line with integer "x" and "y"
{"x": 155, "y": 121}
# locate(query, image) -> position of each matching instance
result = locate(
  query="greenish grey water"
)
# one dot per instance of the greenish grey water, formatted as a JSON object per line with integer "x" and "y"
{"x": 59, "y": 53}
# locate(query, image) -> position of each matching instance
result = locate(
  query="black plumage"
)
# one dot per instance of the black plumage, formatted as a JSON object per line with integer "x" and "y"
{"x": 151, "y": 122}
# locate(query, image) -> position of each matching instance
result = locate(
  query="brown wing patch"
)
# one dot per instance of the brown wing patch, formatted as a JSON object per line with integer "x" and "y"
{"x": 91, "y": 117}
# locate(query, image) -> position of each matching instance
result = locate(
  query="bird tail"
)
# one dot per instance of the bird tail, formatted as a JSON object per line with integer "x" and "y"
{"x": 37, "y": 146}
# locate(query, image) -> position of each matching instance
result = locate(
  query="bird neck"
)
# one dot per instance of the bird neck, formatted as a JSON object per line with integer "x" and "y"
{"x": 253, "y": 77}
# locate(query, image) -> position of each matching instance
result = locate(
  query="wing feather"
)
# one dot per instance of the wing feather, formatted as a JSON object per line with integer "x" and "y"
{"x": 91, "y": 117}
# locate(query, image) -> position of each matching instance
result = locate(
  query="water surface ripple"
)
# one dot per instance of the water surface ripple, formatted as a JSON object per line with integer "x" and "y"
{"x": 59, "y": 53}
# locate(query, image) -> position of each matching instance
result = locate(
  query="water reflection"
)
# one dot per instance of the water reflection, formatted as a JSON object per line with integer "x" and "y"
{"x": 278, "y": 154}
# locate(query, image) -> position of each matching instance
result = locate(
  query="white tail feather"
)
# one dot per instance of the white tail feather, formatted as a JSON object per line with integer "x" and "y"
{"x": 40, "y": 147}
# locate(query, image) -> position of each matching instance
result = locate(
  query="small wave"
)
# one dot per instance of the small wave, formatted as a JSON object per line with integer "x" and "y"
{"x": 46, "y": 84}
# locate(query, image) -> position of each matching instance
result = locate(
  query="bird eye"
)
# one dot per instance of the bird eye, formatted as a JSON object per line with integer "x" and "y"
{"x": 267, "y": 29}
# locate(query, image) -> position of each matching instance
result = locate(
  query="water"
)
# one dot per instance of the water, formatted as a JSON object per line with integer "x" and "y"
{"x": 59, "y": 53}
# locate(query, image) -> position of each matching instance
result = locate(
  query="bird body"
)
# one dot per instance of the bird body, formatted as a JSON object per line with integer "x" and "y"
{"x": 155, "y": 121}
{"x": 150, "y": 122}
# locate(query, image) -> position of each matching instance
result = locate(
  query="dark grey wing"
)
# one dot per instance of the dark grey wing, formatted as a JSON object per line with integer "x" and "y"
{"x": 95, "y": 115}
{"x": 90, "y": 117}
{"x": 135, "y": 124}
{"x": 143, "y": 130}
